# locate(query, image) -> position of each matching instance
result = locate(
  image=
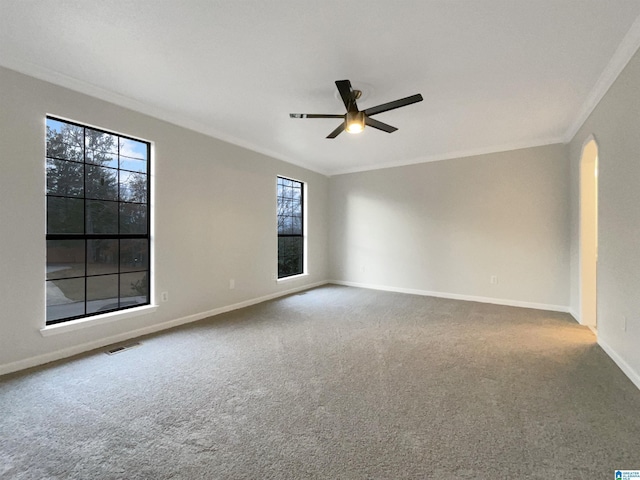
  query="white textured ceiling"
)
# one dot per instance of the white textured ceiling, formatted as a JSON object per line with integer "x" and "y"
{"x": 494, "y": 74}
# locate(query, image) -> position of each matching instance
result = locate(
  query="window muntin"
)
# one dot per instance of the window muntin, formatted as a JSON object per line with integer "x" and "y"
{"x": 98, "y": 227}
{"x": 290, "y": 204}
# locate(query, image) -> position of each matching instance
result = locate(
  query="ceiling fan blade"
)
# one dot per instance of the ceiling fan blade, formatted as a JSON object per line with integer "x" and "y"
{"x": 337, "y": 131}
{"x": 344, "y": 87}
{"x": 385, "y": 107}
{"x": 379, "y": 125}
{"x": 314, "y": 115}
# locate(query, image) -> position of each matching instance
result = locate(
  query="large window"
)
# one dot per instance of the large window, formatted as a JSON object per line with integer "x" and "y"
{"x": 290, "y": 227}
{"x": 98, "y": 246}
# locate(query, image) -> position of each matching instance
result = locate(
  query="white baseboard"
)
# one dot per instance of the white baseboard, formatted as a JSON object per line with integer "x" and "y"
{"x": 575, "y": 315}
{"x": 455, "y": 296}
{"x": 624, "y": 366}
{"x": 86, "y": 347}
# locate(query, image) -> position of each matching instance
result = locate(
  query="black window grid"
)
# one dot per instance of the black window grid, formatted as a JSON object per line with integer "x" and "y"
{"x": 87, "y": 236}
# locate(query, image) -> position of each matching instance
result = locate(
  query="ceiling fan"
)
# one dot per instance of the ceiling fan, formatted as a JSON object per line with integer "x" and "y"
{"x": 354, "y": 119}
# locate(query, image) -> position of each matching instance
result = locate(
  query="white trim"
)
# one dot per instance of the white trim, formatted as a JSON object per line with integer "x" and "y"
{"x": 85, "y": 347}
{"x": 586, "y": 142}
{"x": 624, "y": 366}
{"x": 621, "y": 57}
{"x": 455, "y": 296}
{"x": 474, "y": 152}
{"x": 292, "y": 278}
{"x": 62, "y": 80}
{"x": 49, "y": 330}
{"x": 83, "y": 123}
{"x": 575, "y": 315}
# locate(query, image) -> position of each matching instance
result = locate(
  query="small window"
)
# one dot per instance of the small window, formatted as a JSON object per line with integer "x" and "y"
{"x": 98, "y": 242}
{"x": 290, "y": 227}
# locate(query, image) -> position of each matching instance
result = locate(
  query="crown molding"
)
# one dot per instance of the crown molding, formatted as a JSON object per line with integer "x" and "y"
{"x": 62, "y": 80}
{"x": 474, "y": 152}
{"x": 621, "y": 57}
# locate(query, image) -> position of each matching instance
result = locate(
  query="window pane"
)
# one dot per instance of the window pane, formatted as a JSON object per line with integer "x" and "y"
{"x": 72, "y": 134}
{"x": 296, "y": 225}
{"x": 65, "y": 298}
{"x": 102, "y": 293}
{"x": 133, "y": 164}
{"x": 133, "y": 149}
{"x": 134, "y": 288}
{"x": 288, "y": 225}
{"x": 65, "y": 178}
{"x": 65, "y": 215}
{"x": 289, "y": 206}
{"x": 65, "y": 258}
{"x": 102, "y": 183}
{"x": 102, "y": 217}
{"x": 65, "y": 152}
{"x": 102, "y": 256}
{"x": 104, "y": 159}
{"x": 284, "y": 206}
{"x": 134, "y": 254}
{"x": 289, "y": 256}
{"x": 133, "y": 187}
{"x": 101, "y": 142}
{"x": 284, "y": 226}
{"x": 64, "y": 140}
{"x": 133, "y": 218}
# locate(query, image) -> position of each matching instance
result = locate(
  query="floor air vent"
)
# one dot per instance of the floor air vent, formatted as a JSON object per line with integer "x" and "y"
{"x": 121, "y": 348}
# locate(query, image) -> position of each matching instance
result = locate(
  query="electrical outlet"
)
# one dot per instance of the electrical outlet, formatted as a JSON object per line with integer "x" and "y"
{"x": 232, "y": 284}
{"x": 274, "y": 276}
{"x": 494, "y": 279}
{"x": 164, "y": 296}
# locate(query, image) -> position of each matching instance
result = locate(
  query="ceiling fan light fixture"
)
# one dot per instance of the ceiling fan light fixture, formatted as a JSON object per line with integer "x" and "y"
{"x": 354, "y": 122}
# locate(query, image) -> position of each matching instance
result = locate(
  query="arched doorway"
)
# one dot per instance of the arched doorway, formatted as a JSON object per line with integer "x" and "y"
{"x": 588, "y": 232}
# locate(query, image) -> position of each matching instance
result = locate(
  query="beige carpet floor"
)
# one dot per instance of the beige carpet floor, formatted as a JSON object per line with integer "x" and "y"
{"x": 335, "y": 383}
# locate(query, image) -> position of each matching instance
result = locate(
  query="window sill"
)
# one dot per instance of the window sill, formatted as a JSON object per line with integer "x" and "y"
{"x": 97, "y": 320}
{"x": 292, "y": 278}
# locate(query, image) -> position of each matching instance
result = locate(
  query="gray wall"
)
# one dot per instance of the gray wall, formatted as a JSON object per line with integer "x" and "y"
{"x": 214, "y": 214}
{"x": 615, "y": 124}
{"x": 446, "y": 227}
